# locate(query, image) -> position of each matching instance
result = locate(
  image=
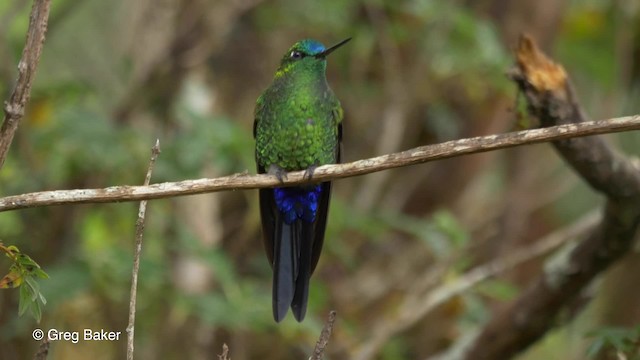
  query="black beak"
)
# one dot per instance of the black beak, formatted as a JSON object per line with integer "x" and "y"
{"x": 331, "y": 49}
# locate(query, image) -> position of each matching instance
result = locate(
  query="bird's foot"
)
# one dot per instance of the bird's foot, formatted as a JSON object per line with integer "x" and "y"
{"x": 308, "y": 174}
{"x": 279, "y": 172}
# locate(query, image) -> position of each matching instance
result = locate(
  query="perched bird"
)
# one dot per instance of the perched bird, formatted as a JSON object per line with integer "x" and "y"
{"x": 298, "y": 126}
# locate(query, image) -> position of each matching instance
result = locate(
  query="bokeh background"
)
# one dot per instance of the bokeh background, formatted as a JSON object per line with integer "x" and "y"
{"x": 115, "y": 75}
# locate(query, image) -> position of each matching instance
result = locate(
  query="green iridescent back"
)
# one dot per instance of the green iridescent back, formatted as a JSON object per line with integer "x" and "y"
{"x": 297, "y": 117}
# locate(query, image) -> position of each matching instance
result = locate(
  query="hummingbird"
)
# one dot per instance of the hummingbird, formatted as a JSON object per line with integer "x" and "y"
{"x": 297, "y": 126}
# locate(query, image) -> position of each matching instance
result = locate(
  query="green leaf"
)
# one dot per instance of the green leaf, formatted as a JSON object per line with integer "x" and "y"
{"x": 622, "y": 340}
{"x": 446, "y": 222}
{"x": 595, "y": 348}
{"x": 26, "y": 262}
{"x": 497, "y": 289}
{"x": 34, "y": 287}
{"x": 25, "y": 300}
{"x": 40, "y": 273}
{"x": 42, "y": 299}
{"x": 36, "y": 310}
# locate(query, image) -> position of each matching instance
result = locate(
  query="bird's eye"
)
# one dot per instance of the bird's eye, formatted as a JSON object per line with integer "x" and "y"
{"x": 296, "y": 55}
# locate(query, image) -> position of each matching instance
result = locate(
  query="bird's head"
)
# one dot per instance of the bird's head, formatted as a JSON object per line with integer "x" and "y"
{"x": 306, "y": 54}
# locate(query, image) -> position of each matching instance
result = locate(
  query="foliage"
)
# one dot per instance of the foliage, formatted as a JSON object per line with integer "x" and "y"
{"x": 23, "y": 273}
{"x": 621, "y": 343}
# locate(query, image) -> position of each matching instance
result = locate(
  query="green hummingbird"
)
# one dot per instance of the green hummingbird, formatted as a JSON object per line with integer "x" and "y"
{"x": 298, "y": 126}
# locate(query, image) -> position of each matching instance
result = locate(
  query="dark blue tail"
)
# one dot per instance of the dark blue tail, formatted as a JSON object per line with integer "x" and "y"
{"x": 294, "y": 221}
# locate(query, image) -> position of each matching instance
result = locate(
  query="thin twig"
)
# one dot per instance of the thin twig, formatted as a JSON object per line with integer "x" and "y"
{"x": 225, "y": 353}
{"x": 155, "y": 151}
{"x": 14, "y": 108}
{"x": 43, "y": 350}
{"x": 417, "y": 155}
{"x": 318, "y": 352}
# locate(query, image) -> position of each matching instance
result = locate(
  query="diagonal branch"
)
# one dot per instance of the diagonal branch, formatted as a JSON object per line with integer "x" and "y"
{"x": 417, "y": 155}
{"x": 323, "y": 341}
{"x": 417, "y": 305}
{"x": 551, "y": 99}
{"x": 14, "y": 108}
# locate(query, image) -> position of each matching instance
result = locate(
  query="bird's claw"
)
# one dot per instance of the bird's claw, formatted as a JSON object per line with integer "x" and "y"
{"x": 308, "y": 174}
{"x": 278, "y": 172}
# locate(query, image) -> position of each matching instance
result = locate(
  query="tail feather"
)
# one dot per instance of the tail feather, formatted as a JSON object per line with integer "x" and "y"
{"x": 284, "y": 269}
{"x": 320, "y": 224}
{"x": 301, "y": 295}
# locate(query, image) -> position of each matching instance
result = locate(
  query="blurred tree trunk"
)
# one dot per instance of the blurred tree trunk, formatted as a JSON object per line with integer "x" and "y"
{"x": 618, "y": 301}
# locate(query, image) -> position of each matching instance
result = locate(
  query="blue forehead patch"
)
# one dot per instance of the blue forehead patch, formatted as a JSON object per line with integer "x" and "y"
{"x": 312, "y": 47}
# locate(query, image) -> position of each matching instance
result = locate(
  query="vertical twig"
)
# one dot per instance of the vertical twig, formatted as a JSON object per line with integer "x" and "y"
{"x": 155, "y": 151}
{"x": 14, "y": 108}
{"x": 225, "y": 353}
{"x": 318, "y": 352}
{"x": 43, "y": 350}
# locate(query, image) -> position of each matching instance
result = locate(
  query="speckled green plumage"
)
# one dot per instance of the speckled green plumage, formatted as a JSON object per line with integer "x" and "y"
{"x": 297, "y": 117}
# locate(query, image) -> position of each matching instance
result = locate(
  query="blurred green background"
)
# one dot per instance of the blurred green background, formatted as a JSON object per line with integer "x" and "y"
{"x": 115, "y": 75}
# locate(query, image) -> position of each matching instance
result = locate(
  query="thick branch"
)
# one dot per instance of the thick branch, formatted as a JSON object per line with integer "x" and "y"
{"x": 14, "y": 108}
{"x": 551, "y": 99}
{"x": 327, "y": 172}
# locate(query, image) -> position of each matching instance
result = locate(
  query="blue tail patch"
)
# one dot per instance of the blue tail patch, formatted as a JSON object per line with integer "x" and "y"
{"x": 298, "y": 203}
